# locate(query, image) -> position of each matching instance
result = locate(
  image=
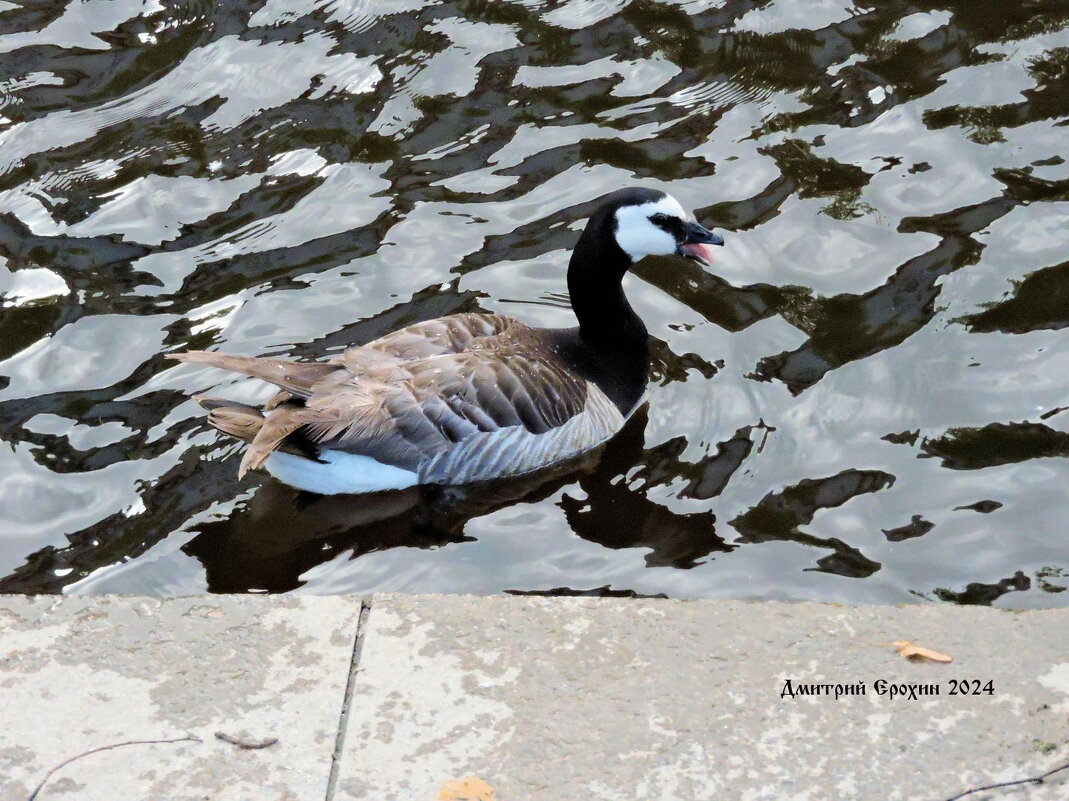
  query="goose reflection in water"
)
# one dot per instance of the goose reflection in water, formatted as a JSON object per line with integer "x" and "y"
{"x": 282, "y": 532}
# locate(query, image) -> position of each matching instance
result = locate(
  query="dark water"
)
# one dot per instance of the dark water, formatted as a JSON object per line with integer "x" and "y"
{"x": 864, "y": 400}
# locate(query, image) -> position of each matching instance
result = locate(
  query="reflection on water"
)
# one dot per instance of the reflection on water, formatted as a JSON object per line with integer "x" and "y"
{"x": 864, "y": 400}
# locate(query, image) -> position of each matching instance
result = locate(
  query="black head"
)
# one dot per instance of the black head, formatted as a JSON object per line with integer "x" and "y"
{"x": 639, "y": 222}
{"x": 628, "y": 225}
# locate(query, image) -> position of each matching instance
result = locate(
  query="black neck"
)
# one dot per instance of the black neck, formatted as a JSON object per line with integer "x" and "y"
{"x": 598, "y": 265}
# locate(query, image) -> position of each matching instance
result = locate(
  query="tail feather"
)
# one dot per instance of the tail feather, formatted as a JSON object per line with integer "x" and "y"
{"x": 279, "y": 424}
{"x": 266, "y": 430}
{"x": 277, "y": 399}
{"x": 297, "y": 378}
{"x": 236, "y": 419}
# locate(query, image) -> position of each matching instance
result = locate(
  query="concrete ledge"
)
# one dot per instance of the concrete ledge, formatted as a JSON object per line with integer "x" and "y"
{"x": 540, "y": 698}
{"x": 546, "y": 699}
{"x": 78, "y": 673}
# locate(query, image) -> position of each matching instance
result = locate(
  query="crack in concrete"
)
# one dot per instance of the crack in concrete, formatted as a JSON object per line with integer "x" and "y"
{"x": 343, "y": 719}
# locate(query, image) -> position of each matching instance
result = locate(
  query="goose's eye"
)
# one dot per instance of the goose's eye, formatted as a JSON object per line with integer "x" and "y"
{"x": 659, "y": 219}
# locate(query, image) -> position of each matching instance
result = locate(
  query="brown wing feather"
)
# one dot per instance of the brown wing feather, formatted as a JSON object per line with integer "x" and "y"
{"x": 428, "y": 395}
{"x": 456, "y": 333}
{"x": 297, "y": 378}
{"x": 441, "y": 401}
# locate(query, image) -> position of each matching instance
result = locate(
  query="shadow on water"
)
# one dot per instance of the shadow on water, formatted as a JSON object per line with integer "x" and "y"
{"x": 282, "y": 533}
{"x": 291, "y": 179}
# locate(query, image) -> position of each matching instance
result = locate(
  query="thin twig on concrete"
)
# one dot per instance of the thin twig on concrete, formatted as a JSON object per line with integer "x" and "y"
{"x": 248, "y": 745}
{"x": 66, "y": 762}
{"x": 1033, "y": 780}
{"x": 347, "y": 699}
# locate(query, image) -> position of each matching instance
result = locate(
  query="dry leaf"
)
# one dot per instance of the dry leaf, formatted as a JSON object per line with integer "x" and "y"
{"x": 469, "y": 789}
{"x": 912, "y": 651}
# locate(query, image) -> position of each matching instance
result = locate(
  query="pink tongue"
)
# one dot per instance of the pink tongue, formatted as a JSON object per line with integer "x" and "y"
{"x": 703, "y": 252}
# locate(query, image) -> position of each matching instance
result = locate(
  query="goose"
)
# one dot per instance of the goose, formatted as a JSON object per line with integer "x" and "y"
{"x": 471, "y": 397}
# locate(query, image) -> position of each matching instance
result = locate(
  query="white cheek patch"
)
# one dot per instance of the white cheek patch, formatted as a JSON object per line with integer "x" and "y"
{"x": 638, "y": 237}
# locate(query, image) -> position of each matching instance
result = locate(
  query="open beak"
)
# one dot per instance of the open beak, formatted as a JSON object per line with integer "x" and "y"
{"x": 697, "y": 242}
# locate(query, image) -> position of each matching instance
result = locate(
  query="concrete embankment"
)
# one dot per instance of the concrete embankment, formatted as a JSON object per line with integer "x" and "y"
{"x": 428, "y": 698}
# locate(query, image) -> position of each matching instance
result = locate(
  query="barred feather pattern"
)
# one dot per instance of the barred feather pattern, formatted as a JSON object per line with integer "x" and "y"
{"x": 514, "y": 451}
{"x": 459, "y": 399}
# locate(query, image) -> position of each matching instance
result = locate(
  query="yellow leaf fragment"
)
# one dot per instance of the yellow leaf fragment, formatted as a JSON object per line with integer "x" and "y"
{"x": 914, "y": 652}
{"x": 467, "y": 789}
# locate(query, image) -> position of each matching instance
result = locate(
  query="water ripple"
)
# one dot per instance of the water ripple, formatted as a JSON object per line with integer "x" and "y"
{"x": 863, "y": 399}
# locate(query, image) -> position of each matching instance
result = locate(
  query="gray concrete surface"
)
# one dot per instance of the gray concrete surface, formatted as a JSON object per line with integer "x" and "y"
{"x": 78, "y": 673}
{"x": 534, "y": 699}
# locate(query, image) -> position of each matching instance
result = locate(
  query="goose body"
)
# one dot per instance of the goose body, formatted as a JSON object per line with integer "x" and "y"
{"x": 468, "y": 397}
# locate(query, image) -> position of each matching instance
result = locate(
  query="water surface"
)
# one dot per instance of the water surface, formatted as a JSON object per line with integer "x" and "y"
{"x": 864, "y": 400}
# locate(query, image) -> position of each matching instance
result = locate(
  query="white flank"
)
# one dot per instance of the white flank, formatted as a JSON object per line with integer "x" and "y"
{"x": 338, "y": 473}
{"x": 638, "y": 236}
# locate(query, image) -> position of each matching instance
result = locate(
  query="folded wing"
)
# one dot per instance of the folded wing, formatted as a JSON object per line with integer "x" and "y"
{"x": 459, "y": 399}
{"x": 462, "y": 417}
